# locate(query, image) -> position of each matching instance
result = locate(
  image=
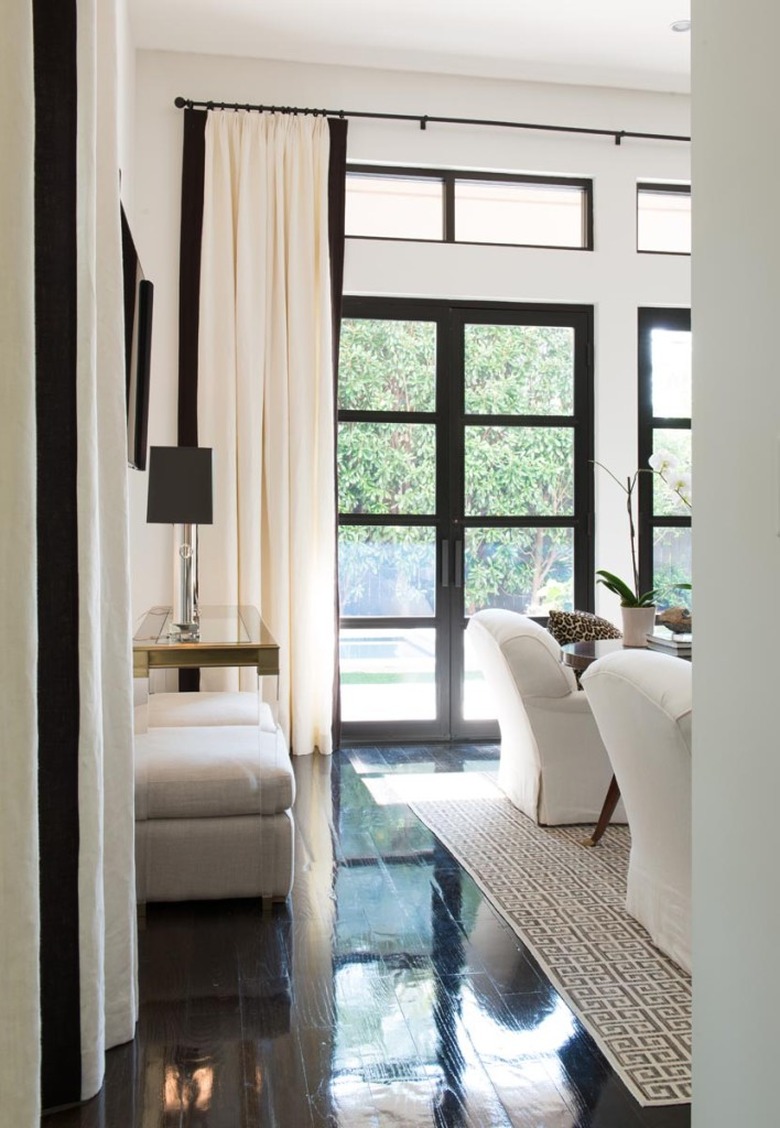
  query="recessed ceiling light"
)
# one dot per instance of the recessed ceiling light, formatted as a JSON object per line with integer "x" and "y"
{"x": 681, "y": 25}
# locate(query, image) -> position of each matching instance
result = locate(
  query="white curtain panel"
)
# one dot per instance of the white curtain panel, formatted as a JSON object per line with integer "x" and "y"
{"x": 107, "y": 916}
{"x": 19, "y": 914}
{"x": 265, "y": 398}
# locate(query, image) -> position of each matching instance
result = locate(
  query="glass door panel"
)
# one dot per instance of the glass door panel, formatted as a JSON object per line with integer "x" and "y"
{"x": 387, "y": 570}
{"x": 518, "y": 370}
{"x": 523, "y": 569}
{"x": 517, "y": 470}
{"x": 387, "y": 468}
{"x": 672, "y": 562}
{"x": 388, "y": 484}
{"x": 477, "y": 702}
{"x": 388, "y": 674}
{"x": 677, "y": 442}
{"x": 671, "y": 376}
{"x": 525, "y": 437}
{"x": 387, "y": 365}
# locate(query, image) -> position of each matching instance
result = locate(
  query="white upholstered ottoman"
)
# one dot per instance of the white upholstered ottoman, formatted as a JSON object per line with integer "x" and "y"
{"x": 213, "y": 803}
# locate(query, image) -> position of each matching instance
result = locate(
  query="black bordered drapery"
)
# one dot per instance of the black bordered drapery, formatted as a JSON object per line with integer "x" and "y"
{"x": 215, "y": 238}
{"x": 67, "y": 929}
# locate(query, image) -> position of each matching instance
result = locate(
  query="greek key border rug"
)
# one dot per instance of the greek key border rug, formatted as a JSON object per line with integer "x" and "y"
{"x": 566, "y": 903}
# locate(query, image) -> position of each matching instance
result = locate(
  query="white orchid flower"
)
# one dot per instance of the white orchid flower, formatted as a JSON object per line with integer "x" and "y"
{"x": 681, "y": 484}
{"x": 663, "y": 462}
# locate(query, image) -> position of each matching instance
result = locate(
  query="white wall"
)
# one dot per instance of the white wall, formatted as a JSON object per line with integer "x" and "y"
{"x": 125, "y": 100}
{"x": 613, "y": 278}
{"x": 736, "y": 293}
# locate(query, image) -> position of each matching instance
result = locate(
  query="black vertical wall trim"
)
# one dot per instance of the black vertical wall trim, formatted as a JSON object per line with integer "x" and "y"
{"x": 191, "y": 241}
{"x": 193, "y": 169}
{"x": 337, "y": 191}
{"x": 337, "y": 194}
{"x": 54, "y": 26}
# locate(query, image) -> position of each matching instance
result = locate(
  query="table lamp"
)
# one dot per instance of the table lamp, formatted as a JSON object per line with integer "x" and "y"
{"x": 180, "y": 494}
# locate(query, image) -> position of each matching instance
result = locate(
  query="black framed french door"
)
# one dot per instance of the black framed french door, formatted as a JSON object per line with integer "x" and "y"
{"x": 465, "y": 481}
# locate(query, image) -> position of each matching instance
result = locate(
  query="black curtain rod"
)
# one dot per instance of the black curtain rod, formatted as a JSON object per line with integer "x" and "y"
{"x": 425, "y": 119}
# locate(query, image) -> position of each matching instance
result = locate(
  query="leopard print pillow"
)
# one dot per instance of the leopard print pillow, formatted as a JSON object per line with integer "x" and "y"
{"x": 579, "y": 626}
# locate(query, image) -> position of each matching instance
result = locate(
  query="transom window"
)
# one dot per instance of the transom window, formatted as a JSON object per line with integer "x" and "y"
{"x": 445, "y": 206}
{"x": 663, "y": 218}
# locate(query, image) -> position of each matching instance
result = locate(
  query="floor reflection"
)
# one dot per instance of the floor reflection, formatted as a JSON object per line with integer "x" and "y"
{"x": 387, "y": 991}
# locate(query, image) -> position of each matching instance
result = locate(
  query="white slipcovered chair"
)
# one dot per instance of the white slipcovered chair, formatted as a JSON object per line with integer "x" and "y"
{"x": 642, "y": 704}
{"x": 553, "y": 764}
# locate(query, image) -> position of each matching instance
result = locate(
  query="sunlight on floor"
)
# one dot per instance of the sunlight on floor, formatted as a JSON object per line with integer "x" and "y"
{"x": 419, "y": 787}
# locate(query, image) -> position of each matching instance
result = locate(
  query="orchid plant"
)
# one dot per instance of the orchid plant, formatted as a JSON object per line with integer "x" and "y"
{"x": 665, "y": 465}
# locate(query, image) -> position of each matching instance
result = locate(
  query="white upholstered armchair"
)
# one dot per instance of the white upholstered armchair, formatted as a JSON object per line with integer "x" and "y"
{"x": 642, "y": 704}
{"x": 553, "y": 764}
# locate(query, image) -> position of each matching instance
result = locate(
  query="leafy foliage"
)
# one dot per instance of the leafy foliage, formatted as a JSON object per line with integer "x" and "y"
{"x": 387, "y": 365}
{"x": 627, "y": 597}
{"x": 390, "y": 468}
{"x": 519, "y": 370}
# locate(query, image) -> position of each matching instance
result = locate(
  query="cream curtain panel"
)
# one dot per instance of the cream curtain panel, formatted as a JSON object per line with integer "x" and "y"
{"x": 107, "y": 916}
{"x": 20, "y": 1055}
{"x": 265, "y": 397}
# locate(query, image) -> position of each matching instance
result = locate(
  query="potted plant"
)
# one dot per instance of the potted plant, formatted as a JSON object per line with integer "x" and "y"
{"x": 637, "y": 608}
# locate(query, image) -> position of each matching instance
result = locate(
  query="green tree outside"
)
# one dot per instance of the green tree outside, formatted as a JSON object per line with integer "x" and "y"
{"x": 389, "y": 468}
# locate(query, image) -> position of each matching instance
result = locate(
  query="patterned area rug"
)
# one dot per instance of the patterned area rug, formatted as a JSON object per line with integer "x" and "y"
{"x": 565, "y": 902}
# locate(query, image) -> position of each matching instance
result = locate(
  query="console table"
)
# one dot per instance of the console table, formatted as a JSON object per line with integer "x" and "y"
{"x": 229, "y": 636}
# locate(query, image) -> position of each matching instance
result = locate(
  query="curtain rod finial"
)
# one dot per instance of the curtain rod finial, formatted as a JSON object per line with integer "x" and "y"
{"x": 180, "y": 102}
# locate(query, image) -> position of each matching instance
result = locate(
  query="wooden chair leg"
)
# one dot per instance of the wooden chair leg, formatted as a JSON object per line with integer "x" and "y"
{"x": 607, "y": 811}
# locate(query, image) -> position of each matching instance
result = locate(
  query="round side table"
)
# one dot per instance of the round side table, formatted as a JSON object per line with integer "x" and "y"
{"x": 579, "y": 655}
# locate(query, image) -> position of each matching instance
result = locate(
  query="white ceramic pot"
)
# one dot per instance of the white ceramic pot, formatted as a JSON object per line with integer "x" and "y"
{"x": 638, "y": 622}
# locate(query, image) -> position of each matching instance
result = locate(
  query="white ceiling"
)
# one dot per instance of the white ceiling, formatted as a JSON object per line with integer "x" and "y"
{"x": 597, "y": 42}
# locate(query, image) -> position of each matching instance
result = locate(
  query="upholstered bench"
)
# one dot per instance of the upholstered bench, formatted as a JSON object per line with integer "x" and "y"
{"x": 213, "y": 800}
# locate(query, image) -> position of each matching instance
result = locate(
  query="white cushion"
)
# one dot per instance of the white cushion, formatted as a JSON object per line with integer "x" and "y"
{"x": 211, "y": 771}
{"x": 179, "y": 709}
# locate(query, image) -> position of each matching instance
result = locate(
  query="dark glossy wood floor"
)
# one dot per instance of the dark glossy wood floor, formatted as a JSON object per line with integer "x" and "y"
{"x": 387, "y": 991}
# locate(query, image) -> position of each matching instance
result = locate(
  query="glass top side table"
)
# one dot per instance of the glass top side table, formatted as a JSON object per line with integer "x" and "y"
{"x": 229, "y": 636}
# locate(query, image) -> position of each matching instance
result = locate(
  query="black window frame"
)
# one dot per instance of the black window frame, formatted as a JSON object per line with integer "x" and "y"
{"x": 658, "y": 189}
{"x": 650, "y": 318}
{"x": 448, "y": 179}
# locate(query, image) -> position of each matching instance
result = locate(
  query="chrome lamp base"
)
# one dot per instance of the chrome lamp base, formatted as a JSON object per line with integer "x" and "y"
{"x": 185, "y": 620}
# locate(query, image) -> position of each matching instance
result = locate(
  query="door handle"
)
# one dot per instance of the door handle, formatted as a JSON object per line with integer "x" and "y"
{"x": 459, "y": 564}
{"x": 445, "y": 563}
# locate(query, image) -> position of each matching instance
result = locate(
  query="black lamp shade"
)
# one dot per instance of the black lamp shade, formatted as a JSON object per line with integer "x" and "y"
{"x": 180, "y": 486}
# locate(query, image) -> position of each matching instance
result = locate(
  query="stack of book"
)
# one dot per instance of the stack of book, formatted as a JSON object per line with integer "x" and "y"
{"x": 661, "y": 638}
